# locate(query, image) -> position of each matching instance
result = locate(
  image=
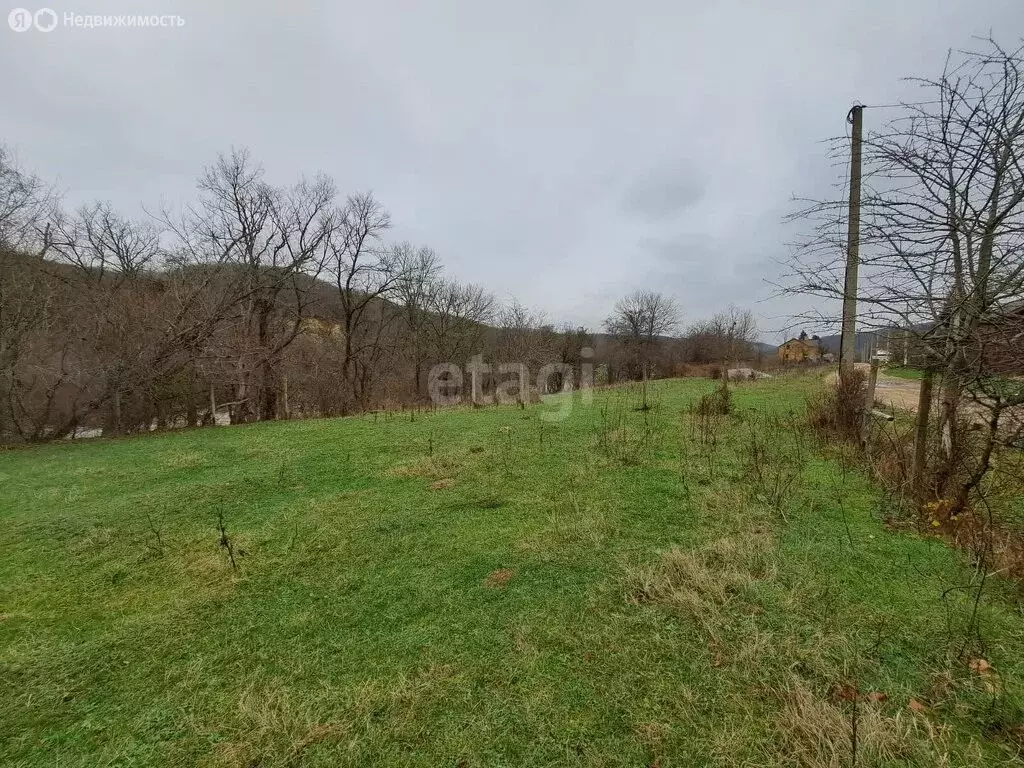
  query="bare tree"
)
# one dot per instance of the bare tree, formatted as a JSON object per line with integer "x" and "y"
{"x": 25, "y": 202}
{"x": 418, "y": 271}
{"x": 115, "y": 322}
{"x": 942, "y": 236}
{"x": 525, "y": 336}
{"x": 25, "y": 295}
{"x": 255, "y": 298}
{"x": 724, "y": 337}
{"x": 456, "y": 323}
{"x": 639, "y": 321}
{"x": 271, "y": 241}
{"x": 101, "y": 258}
{"x": 364, "y": 273}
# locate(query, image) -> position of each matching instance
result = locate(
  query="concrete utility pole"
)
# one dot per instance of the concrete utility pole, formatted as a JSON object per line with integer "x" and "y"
{"x": 869, "y": 403}
{"x": 924, "y": 407}
{"x": 848, "y": 343}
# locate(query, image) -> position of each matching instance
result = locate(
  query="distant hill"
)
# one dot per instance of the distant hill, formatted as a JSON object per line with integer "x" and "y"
{"x": 867, "y": 342}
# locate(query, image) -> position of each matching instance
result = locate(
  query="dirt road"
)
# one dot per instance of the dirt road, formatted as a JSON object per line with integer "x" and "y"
{"x": 893, "y": 392}
{"x": 890, "y": 391}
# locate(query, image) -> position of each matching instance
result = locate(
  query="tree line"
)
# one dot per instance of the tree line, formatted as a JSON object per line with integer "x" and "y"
{"x": 259, "y": 301}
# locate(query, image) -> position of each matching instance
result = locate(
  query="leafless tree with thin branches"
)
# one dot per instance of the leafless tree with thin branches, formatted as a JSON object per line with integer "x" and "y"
{"x": 419, "y": 273}
{"x": 640, "y": 321}
{"x": 271, "y": 241}
{"x": 942, "y": 241}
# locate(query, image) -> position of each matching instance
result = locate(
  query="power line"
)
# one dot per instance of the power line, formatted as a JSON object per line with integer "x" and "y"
{"x": 901, "y": 104}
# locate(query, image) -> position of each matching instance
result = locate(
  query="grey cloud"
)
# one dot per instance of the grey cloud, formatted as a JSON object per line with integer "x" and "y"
{"x": 564, "y": 153}
{"x": 661, "y": 194}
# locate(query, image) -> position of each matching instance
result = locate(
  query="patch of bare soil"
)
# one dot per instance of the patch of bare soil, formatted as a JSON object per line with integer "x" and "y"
{"x": 890, "y": 391}
{"x": 893, "y": 392}
{"x": 897, "y": 393}
{"x": 499, "y": 579}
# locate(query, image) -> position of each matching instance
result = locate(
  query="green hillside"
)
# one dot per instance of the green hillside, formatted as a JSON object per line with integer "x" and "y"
{"x": 487, "y": 588}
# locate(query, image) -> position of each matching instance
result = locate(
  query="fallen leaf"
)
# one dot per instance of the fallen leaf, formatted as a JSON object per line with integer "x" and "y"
{"x": 917, "y": 706}
{"x": 844, "y": 692}
{"x": 980, "y": 667}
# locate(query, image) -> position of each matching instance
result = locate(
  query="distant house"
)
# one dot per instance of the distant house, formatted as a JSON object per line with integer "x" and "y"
{"x": 801, "y": 350}
{"x": 1001, "y": 340}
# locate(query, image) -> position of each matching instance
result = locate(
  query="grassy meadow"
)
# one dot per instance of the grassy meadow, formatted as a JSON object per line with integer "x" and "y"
{"x": 487, "y": 588}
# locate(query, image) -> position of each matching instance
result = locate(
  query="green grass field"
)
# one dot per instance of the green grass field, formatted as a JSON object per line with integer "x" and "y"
{"x": 485, "y": 588}
{"x": 904, "y": 372}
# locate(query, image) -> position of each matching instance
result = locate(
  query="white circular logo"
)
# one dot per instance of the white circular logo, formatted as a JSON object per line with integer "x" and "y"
{"x": 20, "y": 20}
{"x": 45, "y": 19}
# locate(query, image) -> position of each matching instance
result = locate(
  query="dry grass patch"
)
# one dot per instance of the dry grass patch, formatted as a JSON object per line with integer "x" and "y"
{"x": 274, "y": 726}
{"x": 197, "y": 575}
{"x": 499, "y": 579}
{"x": 96, "y": 538}
{"x": 396, "y": 707}
{"x": 185, "y": 460}
{"x": 591, "y": 530}
{"x": 653, "y": 735}
{"x": 436, "y": 467}
{"x": 818, "y": 733}
{"x": 701, "y": 583}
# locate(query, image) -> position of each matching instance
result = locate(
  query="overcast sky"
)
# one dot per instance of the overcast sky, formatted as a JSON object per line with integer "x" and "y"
{"x": 563, "y": 153}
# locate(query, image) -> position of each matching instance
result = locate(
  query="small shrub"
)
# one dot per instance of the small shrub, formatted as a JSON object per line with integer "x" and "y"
{"x": 718, "y": 402}
{"x": 839, "y": 411}
{"x": 774, "y": 456}
{"x": 627, "y": 439}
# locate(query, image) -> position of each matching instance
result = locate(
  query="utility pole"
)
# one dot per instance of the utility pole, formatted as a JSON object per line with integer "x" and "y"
{"x": 924, "y": 407}
{"x": 848, "y": 342}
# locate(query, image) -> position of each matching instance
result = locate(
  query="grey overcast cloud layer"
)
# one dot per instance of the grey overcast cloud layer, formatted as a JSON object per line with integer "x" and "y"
{"x": 563, "y": 153}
